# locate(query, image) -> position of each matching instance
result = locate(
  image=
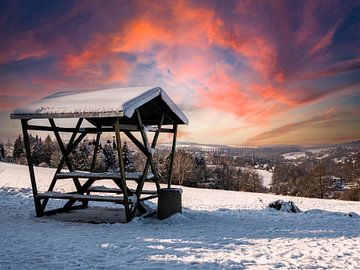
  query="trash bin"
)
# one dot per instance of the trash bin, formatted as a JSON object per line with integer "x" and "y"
{"x": 169, "y": 202}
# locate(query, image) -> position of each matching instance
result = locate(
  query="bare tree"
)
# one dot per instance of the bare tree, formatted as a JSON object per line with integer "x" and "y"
{"x": 250, "y": 181}
{"x": 184, "y": 166}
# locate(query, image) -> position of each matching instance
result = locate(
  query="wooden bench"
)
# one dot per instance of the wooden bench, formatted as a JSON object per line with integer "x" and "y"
{"x": 84, "y": 198}
{"x": 116, "y": 190}
{"x": 103, "y": 175}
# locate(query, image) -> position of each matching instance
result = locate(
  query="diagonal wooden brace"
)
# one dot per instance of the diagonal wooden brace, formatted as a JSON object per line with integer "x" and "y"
{"x": 66, "y": 153}
{"x": 148, "y": 154}
{"x": 71, "y": 146}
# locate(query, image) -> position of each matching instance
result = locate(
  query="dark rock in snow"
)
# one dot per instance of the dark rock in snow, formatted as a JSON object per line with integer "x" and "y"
{"x": 285, "y": 206}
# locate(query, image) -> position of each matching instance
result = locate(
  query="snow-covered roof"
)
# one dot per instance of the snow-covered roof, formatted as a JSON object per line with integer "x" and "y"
{"x": 117, "y": 102}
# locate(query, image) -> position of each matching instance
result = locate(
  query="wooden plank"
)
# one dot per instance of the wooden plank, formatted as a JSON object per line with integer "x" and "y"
{"x": 92, "y": 130}
{"x": 116, "y": 190}
{"x": 80, "y": 197}
{"x": 148, "y": 198}
{"x": 103, "y": 175}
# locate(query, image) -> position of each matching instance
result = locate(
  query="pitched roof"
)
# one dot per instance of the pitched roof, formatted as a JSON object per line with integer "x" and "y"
{"x": 117, "y": 102}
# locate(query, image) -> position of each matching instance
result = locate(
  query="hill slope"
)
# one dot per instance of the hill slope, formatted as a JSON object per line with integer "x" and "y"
{"x": 218, "y": 229}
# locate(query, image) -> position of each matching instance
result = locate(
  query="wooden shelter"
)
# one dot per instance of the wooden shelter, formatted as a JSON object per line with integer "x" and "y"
{"x": 121, "y": 111}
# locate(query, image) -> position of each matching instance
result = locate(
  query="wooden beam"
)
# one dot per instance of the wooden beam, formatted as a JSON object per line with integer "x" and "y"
{"x": 91, "y": 130}
{"x": 122, "y": 170}
{"x": 70, "y": 147}
{"x": 142, "y": 130}
{"x": 38, "y": 208}
{"x": 147, "y": 164}
{"x": 153, "y": 145}
{"x": 137, "y": 143}
{"x": 65, "y": 153}
{"x": 172, "y": 158}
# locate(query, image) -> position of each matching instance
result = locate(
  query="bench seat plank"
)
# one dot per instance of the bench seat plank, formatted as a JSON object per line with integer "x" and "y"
{"x": 80, "y": 197}
{"x": 102, "y": 175}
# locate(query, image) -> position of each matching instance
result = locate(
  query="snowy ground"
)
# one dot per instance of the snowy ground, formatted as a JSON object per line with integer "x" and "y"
{"x": 266, "y": 176}
{"x": 294, "y": 155}
{"x": 217, "y": 230}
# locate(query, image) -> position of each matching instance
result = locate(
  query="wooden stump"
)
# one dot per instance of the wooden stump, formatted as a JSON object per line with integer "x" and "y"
{"x": 169, "y": 202}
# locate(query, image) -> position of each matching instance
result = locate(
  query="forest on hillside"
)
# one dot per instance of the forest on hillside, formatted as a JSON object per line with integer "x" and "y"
{"x": 334, "y": 175}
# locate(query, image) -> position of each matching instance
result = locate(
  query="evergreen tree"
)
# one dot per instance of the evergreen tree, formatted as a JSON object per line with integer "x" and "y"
{"x": 49, "y": 148}
{"x": 81, "y": 156}
{"x": 2, "y": 152}
{"x": 100, "y": 164}
{"x": 128, "y": 159}
{"x": 37, "y": 151}
{"x": 55, "y": 157}
{"x": 18, "y": 151}
{"x": 110, "y": 156}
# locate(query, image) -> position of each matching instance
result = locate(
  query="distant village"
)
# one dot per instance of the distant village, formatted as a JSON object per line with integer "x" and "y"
{"x": 321, "y": 172}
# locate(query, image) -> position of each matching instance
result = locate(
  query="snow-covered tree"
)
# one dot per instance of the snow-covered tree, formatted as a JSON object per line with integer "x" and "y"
{"x": 81, "y": 156}
{"x": 37, "y": 151}
{"x": 55, "y": 157}
{"x": 49, "y": 148}
{"x": 110, "y": 156}
{"x": 128, "y": 158}
{"x": 18, "y": 151}
{"x": 100, "y": 163}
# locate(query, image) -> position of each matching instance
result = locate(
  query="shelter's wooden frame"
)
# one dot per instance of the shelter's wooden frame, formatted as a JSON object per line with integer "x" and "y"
{"x": 130, "y": 198}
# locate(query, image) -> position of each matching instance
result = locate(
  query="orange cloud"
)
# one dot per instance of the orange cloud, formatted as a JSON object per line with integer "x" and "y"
{"x": 257, "y": 50}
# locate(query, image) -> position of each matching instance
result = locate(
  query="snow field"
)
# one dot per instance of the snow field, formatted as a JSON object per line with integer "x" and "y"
{"x": 217, "y": 230}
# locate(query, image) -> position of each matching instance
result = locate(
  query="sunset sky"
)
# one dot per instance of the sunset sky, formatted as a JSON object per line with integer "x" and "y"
{"x": 244, "y": 72}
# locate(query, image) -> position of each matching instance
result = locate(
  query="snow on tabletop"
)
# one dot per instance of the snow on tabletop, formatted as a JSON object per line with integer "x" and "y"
{"x": 99, "y": 103}
{"x": 217, "y": 230}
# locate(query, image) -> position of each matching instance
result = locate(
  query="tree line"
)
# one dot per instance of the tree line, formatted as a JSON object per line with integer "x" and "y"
{"x": 310, "y": 178}
{"x": 316, "y": 178}
{"x": 188, "y": 170}
{"x": 46, "y": 153}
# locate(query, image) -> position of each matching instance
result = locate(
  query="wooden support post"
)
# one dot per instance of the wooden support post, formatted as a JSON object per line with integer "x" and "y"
{"x": 38, "y": 208}
{"x": 122, "y": 170}
{"x": 172, "y": 158}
